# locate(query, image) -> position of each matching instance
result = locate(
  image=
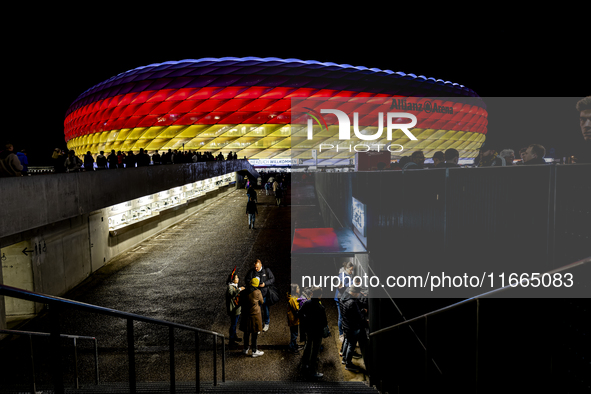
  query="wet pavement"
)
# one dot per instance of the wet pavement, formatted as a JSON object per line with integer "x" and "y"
{"x": 179, "y": 275}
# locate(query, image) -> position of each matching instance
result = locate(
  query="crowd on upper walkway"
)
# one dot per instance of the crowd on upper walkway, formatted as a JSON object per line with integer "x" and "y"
{"x": 16, "y": 164}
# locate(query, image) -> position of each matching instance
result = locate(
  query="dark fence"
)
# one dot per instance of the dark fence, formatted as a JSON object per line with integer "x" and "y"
{"x": 508, "y": 219}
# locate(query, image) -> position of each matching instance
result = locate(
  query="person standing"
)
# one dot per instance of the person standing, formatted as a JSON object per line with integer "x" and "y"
{"x": 156, "y": 158}
{"x": 120, "y": 159}
{"x": 73, "y": 162}
{"x": 489, "y": 156}
{"x": 142, "y": 158}
{"x": 345, "y": 275}
{"x": 278, "y": 194}
{"x": 417, "y": 161}
{"x": 292, "y": 317}
{"x": 101, "y": 161}
{"x": 534, "y": 154}
{"x": 251, "y": 211}
{"x": 233, "y": 307}
{"x": 22, "y": 157}
{"x": 88, "y": 162}
{"x": 10, "y": 165}
{"x": 353, "y": 326}
{"x": 251, "y": 322}
{"x": 584, "y": 109}
{"x": 113, "y": 160}
{"x": 266, "y": 278}
{"x": 314, "y": 316}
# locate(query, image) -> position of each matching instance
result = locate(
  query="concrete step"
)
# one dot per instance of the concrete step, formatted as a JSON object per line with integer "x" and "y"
{"x": 208, "y": 387}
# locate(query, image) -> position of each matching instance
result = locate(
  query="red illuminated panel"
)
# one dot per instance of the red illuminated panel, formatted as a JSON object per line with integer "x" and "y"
{"x": 315, "y": 240}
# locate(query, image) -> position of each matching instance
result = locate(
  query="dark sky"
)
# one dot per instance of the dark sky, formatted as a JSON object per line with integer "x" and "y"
{"x": 55, "y": 58}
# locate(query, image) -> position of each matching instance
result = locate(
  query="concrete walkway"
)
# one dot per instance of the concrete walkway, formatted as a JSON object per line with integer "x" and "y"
{"x": 179, "y": 276}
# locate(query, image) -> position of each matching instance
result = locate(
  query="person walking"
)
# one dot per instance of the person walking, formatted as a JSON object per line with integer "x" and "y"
{"x": 233, "y": 307}
{"x": 251, "y": 322}
{"x": 251, "y": 211}
{"x": 313, "y": 316}
{"x": 278, "y": 195}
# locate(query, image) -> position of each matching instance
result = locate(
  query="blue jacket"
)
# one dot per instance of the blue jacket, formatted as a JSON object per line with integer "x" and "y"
{"x": 24, "y": 161}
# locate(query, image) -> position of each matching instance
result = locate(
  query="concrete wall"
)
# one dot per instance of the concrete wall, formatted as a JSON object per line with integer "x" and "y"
{"x": 36, "y": 201}
{"x": 54, "y": 229}
{"x": 64, "y": 254}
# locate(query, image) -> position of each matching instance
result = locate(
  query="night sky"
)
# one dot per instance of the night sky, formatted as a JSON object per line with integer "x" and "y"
{"x": 63, "y": 57}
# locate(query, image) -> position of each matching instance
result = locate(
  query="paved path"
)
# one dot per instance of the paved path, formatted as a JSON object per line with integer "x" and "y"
{"x": 179, "y": 276}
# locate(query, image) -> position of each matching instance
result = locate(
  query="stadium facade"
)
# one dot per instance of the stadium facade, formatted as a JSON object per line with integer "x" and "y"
{"x": 244, "y": 106}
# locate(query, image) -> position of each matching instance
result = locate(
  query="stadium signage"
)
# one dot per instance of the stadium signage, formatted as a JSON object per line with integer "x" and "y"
{"x": 427, "y": 106}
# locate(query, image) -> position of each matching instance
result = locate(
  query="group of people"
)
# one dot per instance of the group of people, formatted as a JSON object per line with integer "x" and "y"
{"x": 69, "y": 162}
{"x": 248, "y": 309}
{"x": 489, "y": 157}
{"x": 250, "y": 304}
{"x": 275, "y": 187}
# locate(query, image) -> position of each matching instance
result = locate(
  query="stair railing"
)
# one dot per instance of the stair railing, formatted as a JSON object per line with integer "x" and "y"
{"x": 476, "y": 299}
{"x": 56, "y": 304}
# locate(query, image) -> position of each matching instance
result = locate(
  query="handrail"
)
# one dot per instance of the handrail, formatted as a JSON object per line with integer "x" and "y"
{"x": 477, "y": 298}
{"x": 130, "y": 317}
{"x": 45, "y": 334}
{"x": 453, "y": 306}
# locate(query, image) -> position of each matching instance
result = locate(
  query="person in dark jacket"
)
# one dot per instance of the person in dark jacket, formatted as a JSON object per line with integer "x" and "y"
{"x": 88, "y": 162}
{"x": 534, "y": 154}
{"x": 233, "y": 305}
{"x": 130, "y": 160}
{"x": 353, "y": 325}
{"x": 142, "y": 158}
{"x": 251, "y": 193}
{"x": 452, "y": 156}
{"x": 313, "y": 316}
{"x": 101, "y": 161}
{"x": 113, "y": 160}
{"x": 488, "y": 156}
{"x": 156, "y": 158}
{"x": 251, "y": 211}
{"x": 266, "y": 278}
{"x": 278, "y": 195}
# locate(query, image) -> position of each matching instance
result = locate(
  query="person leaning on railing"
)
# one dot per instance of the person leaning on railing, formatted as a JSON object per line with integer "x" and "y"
{"x": 10, "y": 165}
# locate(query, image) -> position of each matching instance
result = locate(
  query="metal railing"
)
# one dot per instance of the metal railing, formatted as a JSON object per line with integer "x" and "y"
{"x": 476, "y": 299}
{"x": 30, "y": 335}
{"x": 57, "y": 304}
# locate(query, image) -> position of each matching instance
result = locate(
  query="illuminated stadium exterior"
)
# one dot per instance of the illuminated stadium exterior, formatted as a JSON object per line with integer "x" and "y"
{"x": 244, "y": 106}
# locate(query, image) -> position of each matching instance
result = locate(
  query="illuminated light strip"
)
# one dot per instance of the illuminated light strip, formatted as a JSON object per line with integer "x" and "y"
{"x": 91, "y": 119}
{"x": 468, "y": 147}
